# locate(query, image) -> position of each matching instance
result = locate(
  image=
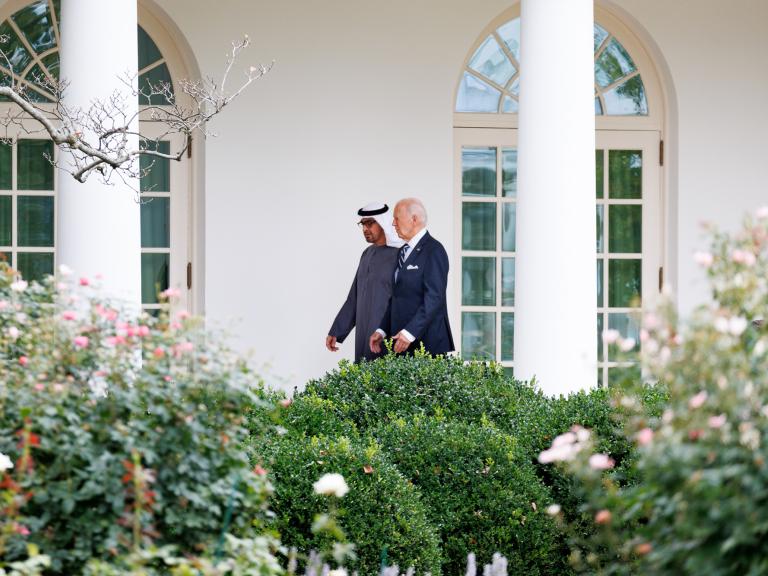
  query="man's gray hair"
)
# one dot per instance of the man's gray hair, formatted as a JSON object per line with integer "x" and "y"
{"x": 414, "y": 207}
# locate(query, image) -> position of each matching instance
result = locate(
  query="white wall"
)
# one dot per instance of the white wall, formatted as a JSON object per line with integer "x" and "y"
{"x": 359, "y": 107}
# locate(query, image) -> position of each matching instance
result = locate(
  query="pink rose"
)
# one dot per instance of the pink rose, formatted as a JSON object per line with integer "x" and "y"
{"x": 645, "y": 436}
{"x": 600, "y": 462}
{"x": 81, "y": 341}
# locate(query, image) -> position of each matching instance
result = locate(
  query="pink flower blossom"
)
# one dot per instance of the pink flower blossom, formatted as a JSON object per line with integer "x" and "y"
{"x": 23, "y": 360}
{"x": 182, "y": 315}
{"x": 601, "y": 462}
{"x": 762, "y": 213}
{"x": 111, "y": 340}
{"x": 285, "y": 402}
{"x": 81, "y": 341}
{"x": 704, "y": 259}
{"x": 743, "y": 257}
{"x": 158, "y": 352}
{"x": 626, "y": 344}
{"x": 3, "y": 304}
{"x": 259, "y": 471}
{"x": 21, "y": 529}
{"x": 611, "y": 336}
{"x": 603, "y": 517}
{"x": 13, "y": 333}
{"x": 717, "y": 421}
{"x": 39, "y": 386}
{"x": 69, "y": 315}
{"x": 84, "y": 281}
{"x": 142, "y": 331}
{"x": 644, "y": 436}
{"x": 698, "y": 400}
{"x": 170, "y": 293}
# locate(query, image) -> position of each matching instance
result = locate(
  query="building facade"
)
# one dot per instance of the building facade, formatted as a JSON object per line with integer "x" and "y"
{"x": 381, "y": 100}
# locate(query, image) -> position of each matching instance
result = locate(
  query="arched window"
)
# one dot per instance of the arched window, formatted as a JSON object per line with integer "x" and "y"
{"x": 28, "y": 180}
{"x": 627, "y": 191}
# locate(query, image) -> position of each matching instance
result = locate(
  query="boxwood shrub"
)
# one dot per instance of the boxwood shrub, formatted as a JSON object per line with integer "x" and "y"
{"x": 381, "y": 510}
{"x": 481, "y": 490}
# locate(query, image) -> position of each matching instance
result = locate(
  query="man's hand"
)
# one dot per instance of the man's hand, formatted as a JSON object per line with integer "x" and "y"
{"x": 330, "y": 343}
{"x": 401, "y": 343}
{"x": 374, "y": 342}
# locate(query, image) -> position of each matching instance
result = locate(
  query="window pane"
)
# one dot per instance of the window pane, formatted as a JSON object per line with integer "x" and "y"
{"x": 627, "y": 325}
{"x": 478, "y": 171}
{"x": 625, "y": 173}
{"x": 600, "y": 36}
{"x": 148, "y": 51}
{"x": 600, "y": 337}
{"x": 478, "y": 335}
{"x": 599, "y": 172}
{"x": 508, "y": 228}
{"x": 624, "y": 283}
{"x": 36, "y": 23}
{"x": 490, "y": 61}
{"x": 34, "y": 266}
{"x": 155, "y": 172}
{"x": 35, "y": 220}
{"x": 509, "y": 172}
{"x": 478, "y": 281}
{"x": 507, "y": 336}
{"x": 476, "y": 96}
{"x": 507, "y": 281}
{"x": 627, "y": 99}
{"x": 478, "y": 226}
{"x": 6, "y": 166}
{"x": 510, "y": 105}
{"x": 156, "y": 223}
{"x": 51, "y": 62}
{"x": 14, "y": 50}
{"x": 34, "y": 170}
{"x": 6, "y": 203}
{"x": 155, "y": 79}
{"x": 510, "y": 34}
{"x": 614, "y": 63}
{"x": 600, "y": 228}
{"x": 154, "y": 276}
{"x": 598, "y": 107}
{"x": 625, "y": 229}
{"x": 618, "y": 375}
{"x": 600, "y": 293}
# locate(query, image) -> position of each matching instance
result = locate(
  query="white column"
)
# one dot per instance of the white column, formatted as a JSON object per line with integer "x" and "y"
{"x": 555, "y": 279}
{"x": 99, "y": 224}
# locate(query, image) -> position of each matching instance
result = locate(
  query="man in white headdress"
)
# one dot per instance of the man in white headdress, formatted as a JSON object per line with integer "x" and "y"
{"x": 372, "y": 286}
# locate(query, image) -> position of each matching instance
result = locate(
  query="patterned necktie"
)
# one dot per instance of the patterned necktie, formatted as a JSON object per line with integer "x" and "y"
{"x": 401, "y": 259}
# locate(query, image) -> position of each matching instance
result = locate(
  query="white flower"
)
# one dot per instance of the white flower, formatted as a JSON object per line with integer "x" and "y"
{"x": 563, "y": 453}
{"x": 737, "y": 325}
{"x": 582, "y": 434}
{"x": 610, "y": 336}
{"x": 721, "y": 324}
{"x": 553, "y": 509}
{"x": 19, "y": 286}
{"x": 65, "y": 270}
{"x": 338, "y": 572}
{"x": 13, "y": 333}
{"x": 626, "y": 344}
{"x": 704, "y": 259}
{"x": 762, "y": 213}
{"x": 331, "y": 485}
{"x": 564, "y": 440}
{"x": 5, "y": 463}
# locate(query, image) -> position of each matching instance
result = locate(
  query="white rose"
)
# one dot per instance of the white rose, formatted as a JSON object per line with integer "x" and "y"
{"x": 331, "y": 485}
{"x": 5, "y": 463}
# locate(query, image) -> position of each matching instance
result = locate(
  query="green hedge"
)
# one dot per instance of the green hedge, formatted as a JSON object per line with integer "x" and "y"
{"x": 482, "y": 492}
{"x": 382, "y": 509}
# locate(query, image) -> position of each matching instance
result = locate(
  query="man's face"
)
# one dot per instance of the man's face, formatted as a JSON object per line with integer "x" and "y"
{"x": 405, "y": 224}
{"x": 371, "y": 230}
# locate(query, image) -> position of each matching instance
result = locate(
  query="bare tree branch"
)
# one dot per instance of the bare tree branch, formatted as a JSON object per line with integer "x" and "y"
{"x": 103, "y": 138}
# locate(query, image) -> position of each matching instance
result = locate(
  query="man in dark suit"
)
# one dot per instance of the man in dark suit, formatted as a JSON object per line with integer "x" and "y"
{"x": 417, "y": 312}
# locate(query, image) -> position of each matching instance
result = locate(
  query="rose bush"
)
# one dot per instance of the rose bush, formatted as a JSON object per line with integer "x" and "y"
{"x": 125, "y": 432}
{"x": 699, "y": 505}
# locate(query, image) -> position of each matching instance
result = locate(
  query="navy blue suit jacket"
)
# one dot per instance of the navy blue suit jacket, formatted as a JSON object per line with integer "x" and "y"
{"x": 418, "y": 303}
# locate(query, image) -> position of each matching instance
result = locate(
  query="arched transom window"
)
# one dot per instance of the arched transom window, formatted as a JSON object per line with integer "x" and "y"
{"x": 28, "y": 179}
{"x": 491, "y": 80}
